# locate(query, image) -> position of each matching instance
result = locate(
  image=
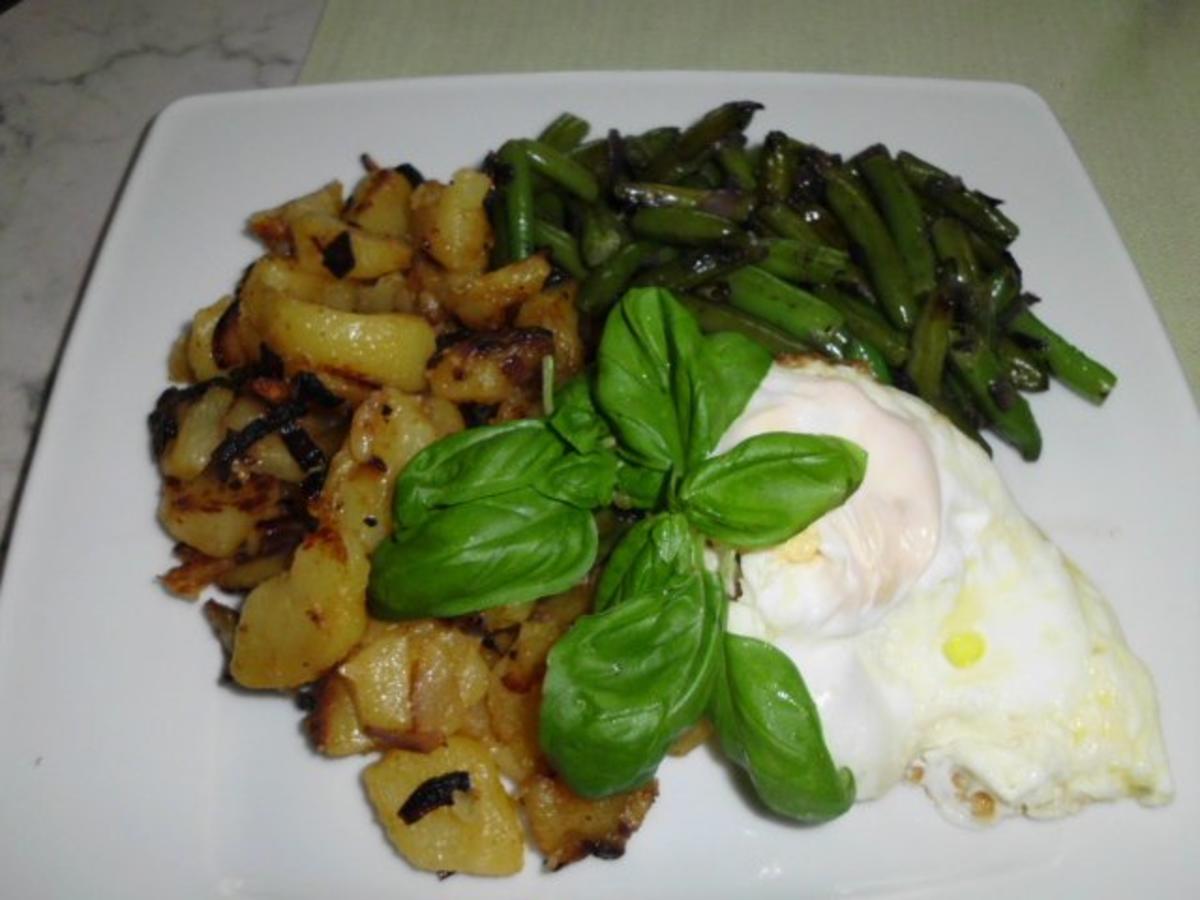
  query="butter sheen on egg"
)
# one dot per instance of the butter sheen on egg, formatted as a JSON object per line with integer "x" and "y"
{"x": 943, "y": 638}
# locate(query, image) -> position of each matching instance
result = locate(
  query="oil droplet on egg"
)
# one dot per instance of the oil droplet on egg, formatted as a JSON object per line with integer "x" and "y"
{"x": 964, "y": 649}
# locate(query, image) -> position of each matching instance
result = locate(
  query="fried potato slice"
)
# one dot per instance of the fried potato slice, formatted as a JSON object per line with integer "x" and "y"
{"x": 297, "y": 625}
{"x": 273, "y": 226}
{"x": 332, "y": 725}
{"x": 216, "y": 518}
{"x": 483, "y": 301}
{"x": 441, "y": 829}
{"x": 567, "y": 827}
{"x": 326, "y": 244}
{"x": 201, "y": 428}
{"x": 449, "y": 222}
{"x": 201, "y": 359}
{"x": 554, "y": 309}
{"x": 380, "y": 203}
{"x": 380, "y": 348}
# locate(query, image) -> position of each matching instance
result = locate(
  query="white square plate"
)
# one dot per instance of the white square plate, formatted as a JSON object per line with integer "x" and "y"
{"x": 125, "y": 771}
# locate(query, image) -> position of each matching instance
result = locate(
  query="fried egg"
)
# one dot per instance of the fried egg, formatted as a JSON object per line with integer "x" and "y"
{"x": 944, "y": 639}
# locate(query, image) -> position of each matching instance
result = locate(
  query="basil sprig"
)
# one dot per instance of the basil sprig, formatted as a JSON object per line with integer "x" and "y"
{"x": 504, "y": 514}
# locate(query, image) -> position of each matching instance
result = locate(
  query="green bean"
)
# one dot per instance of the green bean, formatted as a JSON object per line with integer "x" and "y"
{"x": 549, "y": 207}
{"x": 787, "y": 223}
{"x": 723, "y": 317}
{"x": 787, "y": 307}
{"x": 978, "y": 210}
{"x": 954, "y": 248}
{"x": 866, "y": 322}
{"x": 608, "y": 281}
{"x": 865, "y": 352}
{"x": 565, "y": 133}
{"x": 730, "y": 204}
{"x": 989, "y": 255}
{"x": 804, "y": 262}
{"x": 825, "y": 224}
{"x": 561, "y": 245}
{"x": 1007, "y": 412}
{"x": 518, "y": 200}
{"x": 1021, "y": 367}
{"x": 930, "y": 341}
{"x": 1002, "y": 287}
{"x": 955, "y": 404}
{"x": 685, "y": 154}
{"x": 776, "y": 168}
{"x": 641, "y": 149}
{"x": 561, "y": 169}
{"x": 601, "y": 233}
{"x": 675, "y": 225}
{"x": 706, "y": 177}
{"x": 864, "y": 225}
{"x": 1066, "y": 362}
{"x": 739, "y": 168}
{"x": 699, "y": 267}
{"x": 902, "y": 212}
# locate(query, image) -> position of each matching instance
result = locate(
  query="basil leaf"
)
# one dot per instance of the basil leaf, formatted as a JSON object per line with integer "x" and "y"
{"x": 621, "y": 686}
{"x": 639, "y": 487}
{"x": 503, "y": 549}
{"x": 770, "y": 486}
{"x": 724, "y": 374}
{"x": 472, "y": 464}
{"x": 657, "y": 557}
{"x": 640, "y": 378}
{"x": 575, "y": 418}
{"x": 585, "y": 480}
{"x": 769, "y": 726}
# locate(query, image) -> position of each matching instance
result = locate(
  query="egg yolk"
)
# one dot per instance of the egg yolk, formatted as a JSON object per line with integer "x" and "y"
{"x": 964, "y": 649}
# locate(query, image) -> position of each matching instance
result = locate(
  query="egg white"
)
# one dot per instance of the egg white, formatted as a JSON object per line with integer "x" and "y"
{"x": 944, "y": 639}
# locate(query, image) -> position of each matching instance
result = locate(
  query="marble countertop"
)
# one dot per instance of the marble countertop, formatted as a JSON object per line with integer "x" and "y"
{"x": 79, "y": 83}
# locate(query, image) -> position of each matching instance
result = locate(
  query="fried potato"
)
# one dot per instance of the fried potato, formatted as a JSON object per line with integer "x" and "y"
{"x": 380, "y": 202}
{"x": 332, "y": 725}
{"x": 216, "y": 518}
{"x": 201, "y": 360}
{"x": 297, "y": 625}
{"x": 449, "y": 221}
{"x": 513, "y": 720}
{"x": 273, "y": 226}
{"x": 201, "y": 428}
{"x": 483, "y": 301}
{"x": 440, "y": 829}
{"x": 326, "y": 244}
{"x": 554, "y": 309}
{"x": 567, "y": 827}
{"x": 382, "y": 349}
{"x": 501, "y": 369}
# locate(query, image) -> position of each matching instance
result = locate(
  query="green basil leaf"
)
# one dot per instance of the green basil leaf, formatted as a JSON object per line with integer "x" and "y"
{"x": 639, "y": 487}
{"x": 640, "y": 376}
{"x": 657, "y": 557}
{"x": 771, "y": 486}
{"x": 585, "y": 480}
{"x": 724, "y": 374}
{"x": 623, "y": 684}
{"x": 509, "y": 548}
{"x": 472, "y": 464}
{"x": 769, "y": 726}
{"x": 576, "y": 419}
